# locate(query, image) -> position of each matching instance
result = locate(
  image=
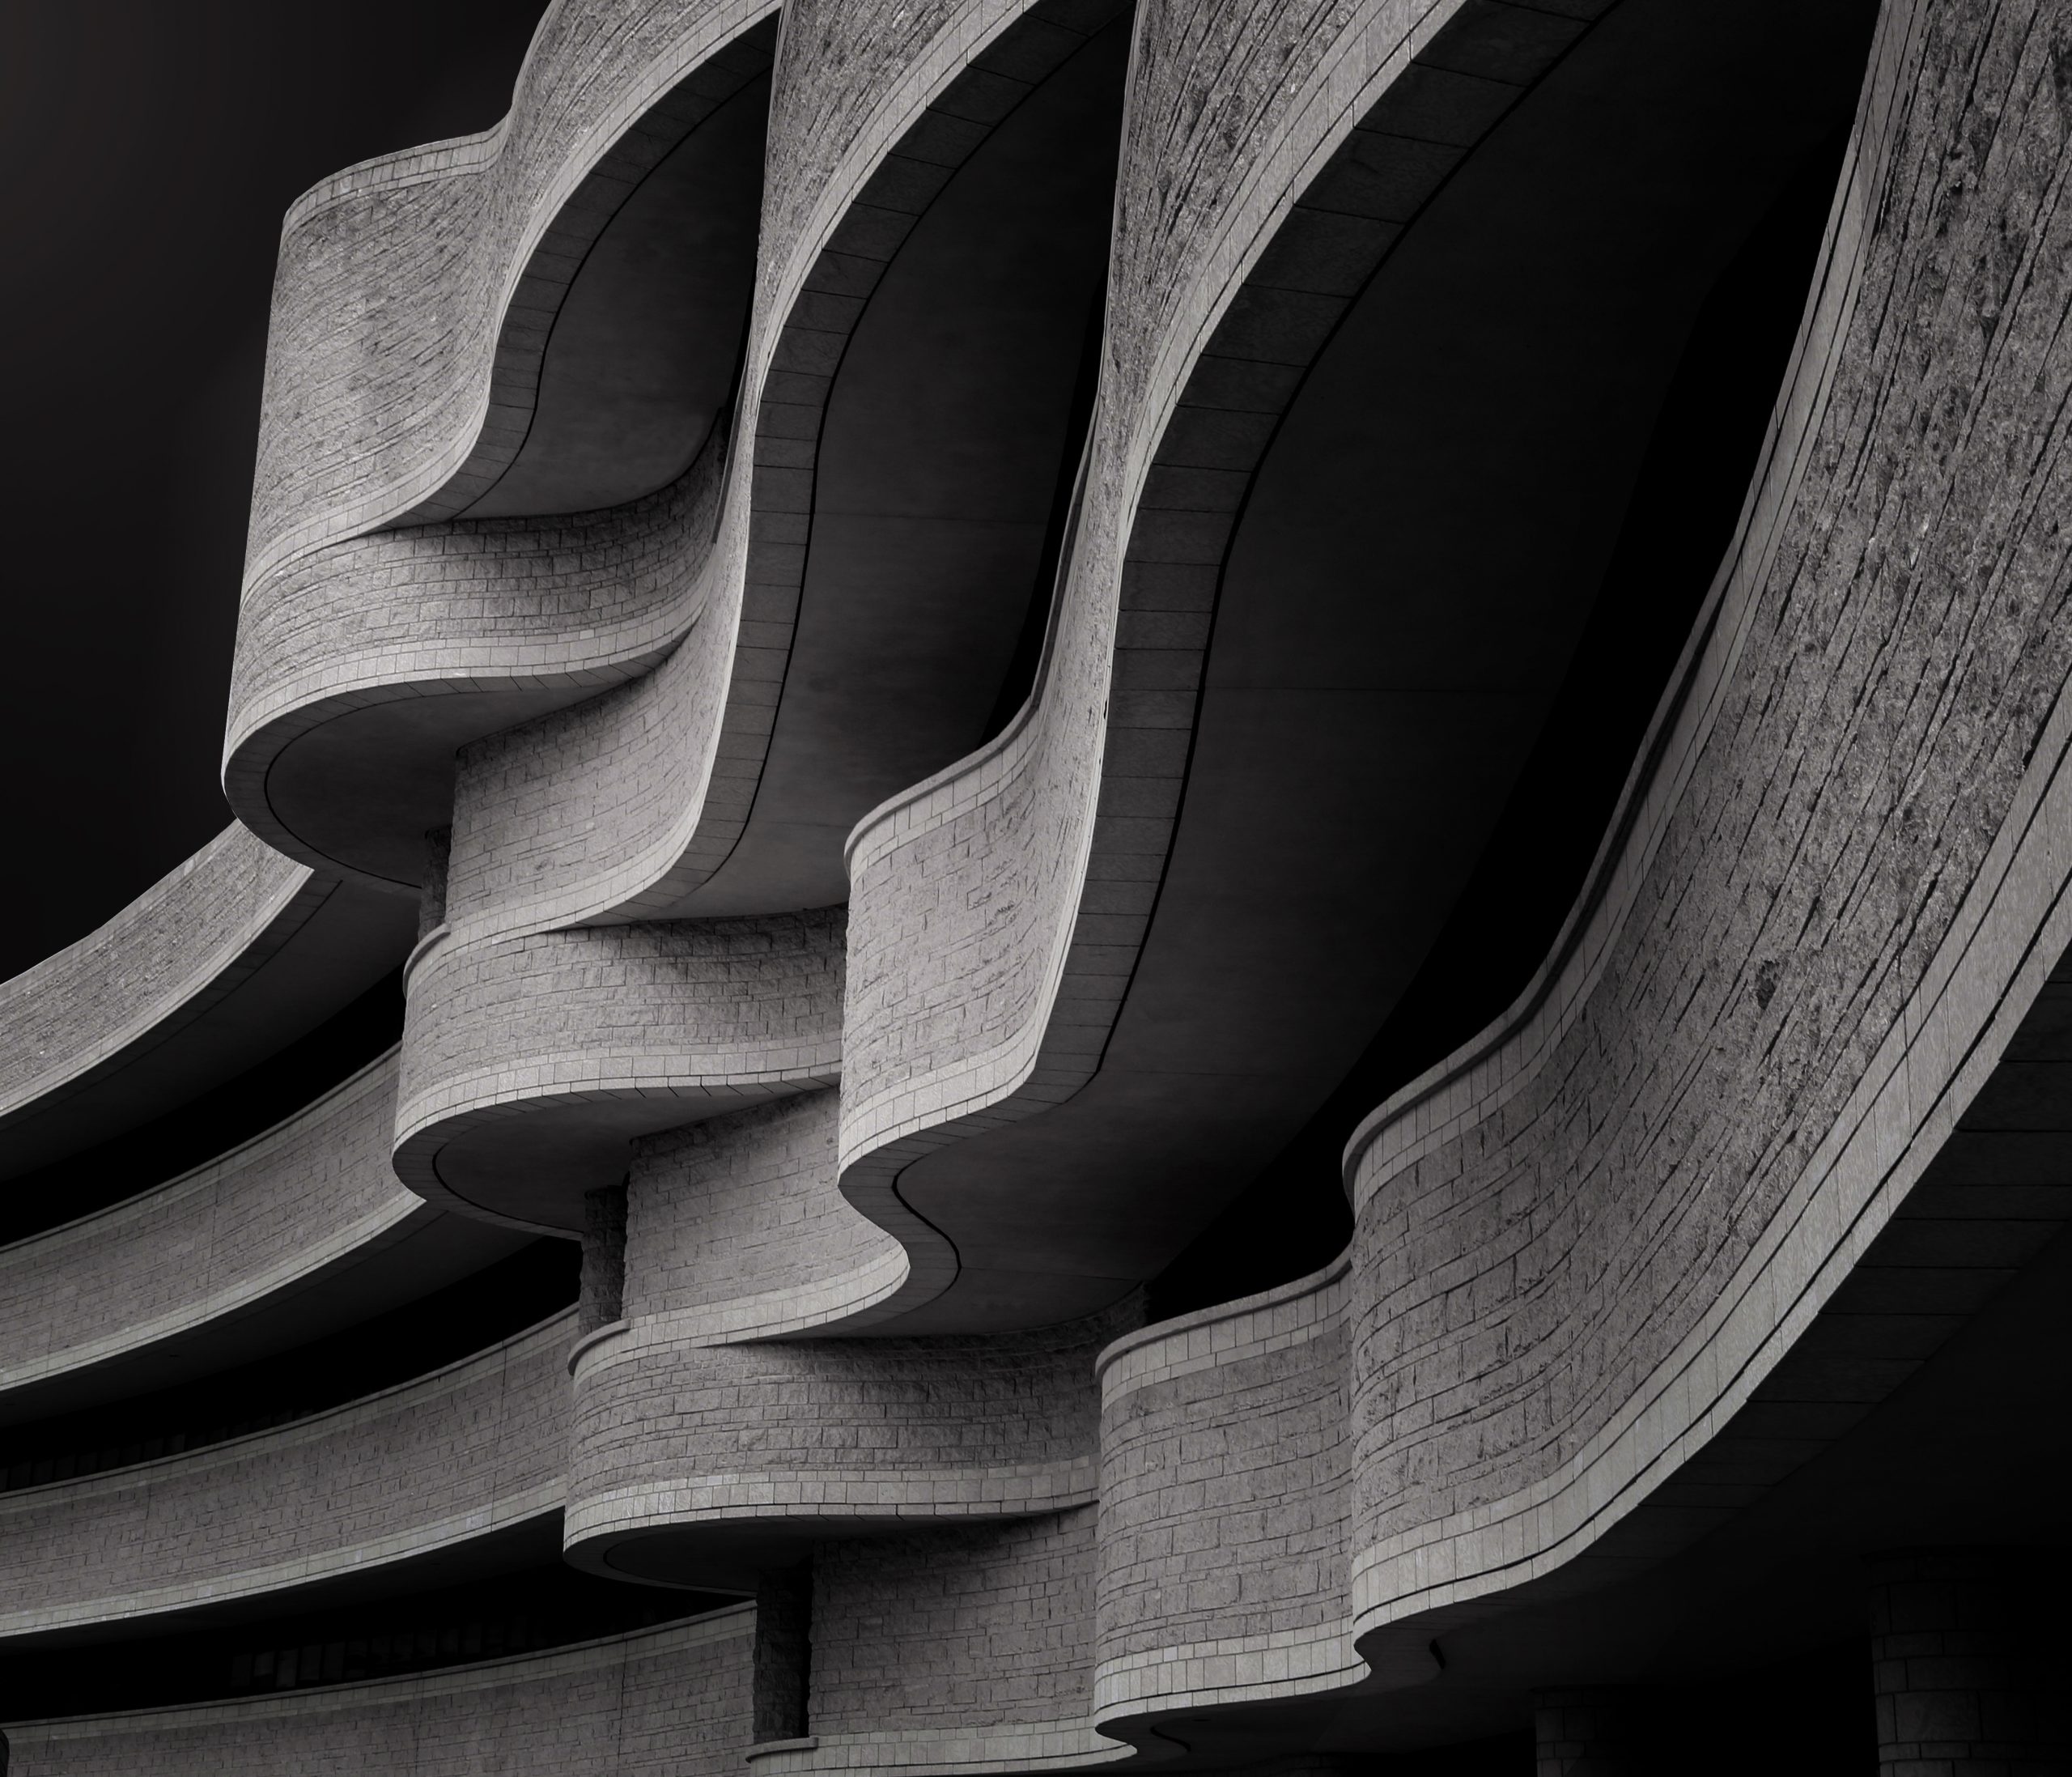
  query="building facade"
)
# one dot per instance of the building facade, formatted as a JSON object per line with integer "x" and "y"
{"x": 1172, "y": 884}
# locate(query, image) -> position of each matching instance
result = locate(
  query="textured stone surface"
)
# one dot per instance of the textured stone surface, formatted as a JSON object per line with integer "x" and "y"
{"x": 314, "y": 1192}
{"x": 408, "y": 284}
{"x": 671, "y": 1702}
{"x": 670, "y": 1435}
{"x": 710, "y": 1014}
{"x": 997, "y": 908}
{"x": 736, "y": 1228}
{"x": 1224, "y": 1503}
{"x": 1573, "y": 1243}
{"x": 469, "y": 1449}
{"x": 185, "y": 941}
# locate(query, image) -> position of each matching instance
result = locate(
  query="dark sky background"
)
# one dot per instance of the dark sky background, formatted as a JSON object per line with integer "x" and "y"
{"x": 147, "y": 151}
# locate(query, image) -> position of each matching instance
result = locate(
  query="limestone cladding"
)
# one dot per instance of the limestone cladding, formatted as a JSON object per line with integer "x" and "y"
{"x": 962, "y": 1647}
{"x": 561, "y": 606}
{"x": 313, "y": 1193}
{"x": 735, "y": 1227}
{"x": 1224, "y": 1501}
{"x": 998, "y": 907}
{"x": 185, "y": 943}
{"x": 662, "y": 1703}
{"x": 671, "y": 1434}
{"x": 472, "y": 1448}
{"x": 715, "y": 1012}
{"x": 1835, "y": 887}
{"x": 414, "y": 291}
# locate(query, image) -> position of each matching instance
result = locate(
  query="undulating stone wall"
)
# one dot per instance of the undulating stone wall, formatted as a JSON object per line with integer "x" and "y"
{"x": 736, "y": 1228}
{"x": 472, "y": 1448}
{"x": 664, "y": 1703}
{"x": 314, "y": 1192}
{"x": 960, "y": 1646}
{"x": 998, "y": 907}
{"x": 1224, "y": 1502}
{"x": 714, "y": 1014}
{"x": 184, "y": 943}
{"x": 670, "y": 1434}
{"x": 1582, "y": 1242}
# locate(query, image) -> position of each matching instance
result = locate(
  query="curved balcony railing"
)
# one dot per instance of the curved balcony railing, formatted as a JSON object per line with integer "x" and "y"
{"x": 468, "y": 1451}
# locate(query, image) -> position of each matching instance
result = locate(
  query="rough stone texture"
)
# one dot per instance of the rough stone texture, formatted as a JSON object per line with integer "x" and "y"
{"x": 184, "y": 943}
{"x": 469, "y": 1449}
{"x": 721, "y": 1011}
{"x": 1224, "y": 1503}
{"x": 997, "y": 907}
{"x": 736, "y": 1228}
{"x": 312, "y": 1192}
{"x": 415, "y": 291}
{"x": 669, "y": 1702}
{"x": 1581, "y": 1243}
{"x": 960, "y": 1629}
{"x": 669, "y": 1434}
{"x": 474, "y": 605}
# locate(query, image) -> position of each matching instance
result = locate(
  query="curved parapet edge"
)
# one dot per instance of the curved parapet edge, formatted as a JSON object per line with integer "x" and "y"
{"x": 923, "y": 1432}
{"x": 1254, "y": 1388}
{"x": 628, "y": 1029}
{"x": 1033, "y": 866}
{"x": 165, "y": 1284}
{"x": 224, "y": 961}
{"x": 185, "y": 943}
{"x": 576, "y": 1710}
{"x": 348, "y": 441}
{"x": 471, "y": 1449}
{"x": 514, "y": 615}
{"x": 1954, "y": 976}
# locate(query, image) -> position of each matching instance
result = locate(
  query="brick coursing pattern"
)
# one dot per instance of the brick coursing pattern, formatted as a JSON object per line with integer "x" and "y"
{"x": 962, "y": 1627}
{"x": 662, "y": 1703}
{"x": 1225, "y": 1502}
{"x": 998, "y": 907}
{"x": 562, "y": 606}
{"x": 1723, "y": 1088}
{"x": 466, "y": 1450}
{"x": 736, "y": 1228}
{"x": 314, "y": 1191}
{"x": 669, "y": 1434}
{"x": 414, "y": 291}
{"x": 183, "y": 944}
{"x": 714, "y": 1012}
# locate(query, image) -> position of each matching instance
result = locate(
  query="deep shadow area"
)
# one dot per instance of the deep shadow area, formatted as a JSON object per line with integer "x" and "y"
{"x": 151, "y": 151}
{"x": 1293, "y": 1218}
{"x": 527, "y": 1611}
{"x": 451, "y": 1323}
{"x": 250, "y": 1104}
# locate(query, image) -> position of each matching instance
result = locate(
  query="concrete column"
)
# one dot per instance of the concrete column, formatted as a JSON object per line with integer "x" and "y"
{"x": 782, "y": 1678}
{"x": 603, "y": 1286}
{"x": 1960, "y": 1667}
{"x": 1593, "y": 1732}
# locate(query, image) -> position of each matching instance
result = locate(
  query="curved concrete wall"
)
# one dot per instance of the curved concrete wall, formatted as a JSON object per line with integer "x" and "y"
{"x": 1223, "y": 1505}
{"x": 736, "y": 1229}
{"x": 261, "y": 1241}
{"x": 1580, "y": 1243}
{"x": 687, "y": 1442}
{"x": 998, "y": 907}
{"x": 468, "y": 1450}
{"x": 1583, "y": 1243}
{"x": 671, "y": 1702}
{"x": 1588, "y": 1238}
{"x": 610, "y": 1034}
{"x": 379, "y": 401}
